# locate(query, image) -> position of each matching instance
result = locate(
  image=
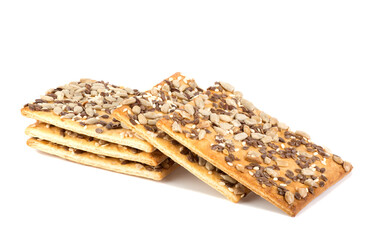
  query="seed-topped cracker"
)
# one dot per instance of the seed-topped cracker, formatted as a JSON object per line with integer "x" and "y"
{"x": 163, "y": 100}
{"x": 90, "y": 144}
{"x": 284, "y": 167}
{"x": 85, "y": 107}
{"x": 107, "y": 163}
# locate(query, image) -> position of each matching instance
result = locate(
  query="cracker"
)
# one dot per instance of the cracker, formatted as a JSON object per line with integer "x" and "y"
{"x": 107, "y": 163}
{"x": 163, "y": 99}
{"x": 93, "y": 145}
{"x": 263, "y": 154}
{"x": 85, "y": 107}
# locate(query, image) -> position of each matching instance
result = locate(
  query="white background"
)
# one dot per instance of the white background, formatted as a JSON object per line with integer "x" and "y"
{"x": 305, "y": 62}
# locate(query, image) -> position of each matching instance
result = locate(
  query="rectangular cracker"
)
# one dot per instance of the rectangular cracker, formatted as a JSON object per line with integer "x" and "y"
{"x": 107, "y": 163}
{"x": 183, "y": 91}
{"x": 89, "y": 144}
{"x": 282, "y": 166}
{"x": 85, "y": 107}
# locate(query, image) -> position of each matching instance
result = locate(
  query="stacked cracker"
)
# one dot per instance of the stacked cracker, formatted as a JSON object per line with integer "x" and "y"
{"x": 215, "y": 134}
{"x": 75, "y": 122}
{"x": 231, "y": 145}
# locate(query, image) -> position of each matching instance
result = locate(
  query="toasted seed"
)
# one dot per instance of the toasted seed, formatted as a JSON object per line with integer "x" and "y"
{"x": 281, "y": 163}
{"x": 310, "y": 182}
{"x": 272, "y": 172}
{"x": 202, "y": 161}
{"x": 165, "y": 108}
{"x": 347, "y": 166}
{"x": 69, "y": 116}
{"x": 47, "y": 98}
{"x": 240, "y": 167}
{"x": 228, "y": 87}
{"x": 225, "y": 126}
{"x": 337, "y": 159}
{"x": 307, "y": 172}
{"x": 302, "y": 134}
{"x": 152, "y": 122}
{"x": 265, "y": 117}
{"x": 240, "y": 136}
{"x": 57, "y": 110}
{"x": 151, "y": 115}
{"x": 239, "y": 189}
{"x": 303, "y": 192}
{"x": 204, "y": 124}
{"x": 145, "y": 102}
{"x": 231, "y": 102}
{"x": 201, "y": 134}
{"x": 282, "y": 126}
{"x": 257, "y": 136}
{"x": 236, "y": 123}
{"x": 241, "y": 117}
{"x": 225, "y": 118}
{"x": 176, "y": 83}
{"x": 253, "y": 156}
{"x": 90, "y": 112}
{"x": 247, "y": 104}
{"x": 128, "y": 101}
{"x": 142, "y": 119}
{"x": 99, "y": 130}
{"x": 91, "y": 121}
{"x": 205, "y": 112}
{"x": 267, "y": 139}
{"x": 199, "y": 102}
{"x": 214, "y": 118}
{"x": 209, "y": 166}
{"x": 220, "y": 130}
{"x": 228, "y": 178}
{"x": 272, "y": 132}
{"x": 250, "y": 121}
{"x": 136, "y": 110}
{"x": 267, "y": 160}
{"x": 77, "y": 109}
{"x": 289, "y": 197}
{"x": 189, "y": 108}
{"x": 176, "y": 127}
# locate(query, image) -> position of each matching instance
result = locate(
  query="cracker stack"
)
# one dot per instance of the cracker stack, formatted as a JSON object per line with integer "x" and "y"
{"x": 74, "y": 122}
{"x": 233, "y": 146}
{"x": 215, "y": 134}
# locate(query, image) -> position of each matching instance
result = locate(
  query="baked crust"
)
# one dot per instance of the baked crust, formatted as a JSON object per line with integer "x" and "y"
{"x": 236, "y": 166}
{"x": 93, "y": 160}
{"x": 90, "y": 144}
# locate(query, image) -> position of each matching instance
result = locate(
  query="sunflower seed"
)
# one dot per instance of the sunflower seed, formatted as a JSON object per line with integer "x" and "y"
{"x": 77, "y": 109}
{"x": 282, "y": 126}
{"x": 272, "y": 172}
{"x": 136, "y": 110}
{"x": 69, "y": 116}
{"x": 307, "y": 172}
{"x": 347, "y": 166}
{"x": 220, "y": 131}
{"x": 310, "y": 182}
{"x": 247, "y": 104}
{"x": 240, "y": 167}
{"x": 257, "y": 136}
{"x": 202, "y": 161}
{"x": 151, "y": 115}
{"x": 240, "y": 136}
{"x": 142, "y": 119}
{"x": 303, "y": 192}
{"x": 225, "y": 126}
{"x": 241, "y": 117}
{"x": 47, "y": 98}
{"x": 239, "y": 189}
{"x": 90, "y": 112}
{"x": 128, "y": 101}
{"x": 289, "y": 197}
{"x": 145, "y": 102}
{"x": 302, "y": 134}
{"x": 201, "y": 134}
{"x": 176, "y": 127}
{"x": 91, "y": 121}
{"x": 57, "y": 110}
{"x": 228, "y": 178}
{"x": 214, "y": 118}
{"x": 199, "y": 102}
{"x": 281, "y": 163}
{"x": 204, "y": 112}
{"x": 209, "y": 166}
{"x": 165, "y": 108}
{"x": 228, "y": 87}
{"x": 204, "y": 124}
{"x": 225, "y": 118}
{"x": 337, "y": 159}
{"x": 265, "y": 117}
{"x": 266, "y": 139}
{"x": 189, "y": 108}
{"x": 250, "y": 121}
{"x": 267, "y": 160}
{"x": 253, "y": 156}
